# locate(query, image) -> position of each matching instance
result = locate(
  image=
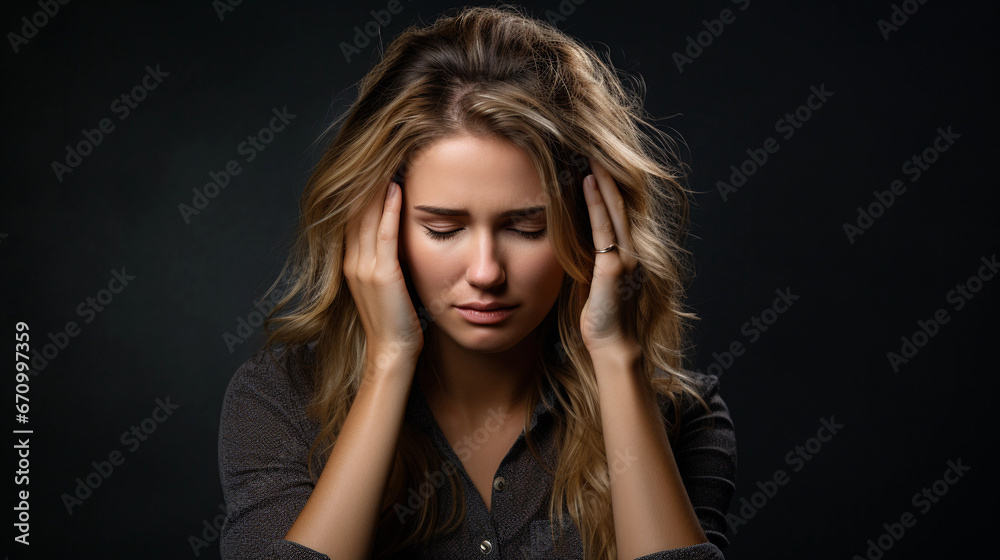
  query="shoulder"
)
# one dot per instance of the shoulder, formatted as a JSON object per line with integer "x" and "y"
{"x": 704, "y": 385}
{"x": 285, "y": 372}
{"x": 271, "y": 384}
{"x": 707, "y": 384}
{"x": 703, "y": 415}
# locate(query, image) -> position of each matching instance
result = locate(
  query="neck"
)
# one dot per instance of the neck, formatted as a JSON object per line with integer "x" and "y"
{"x": 469, "y": 384}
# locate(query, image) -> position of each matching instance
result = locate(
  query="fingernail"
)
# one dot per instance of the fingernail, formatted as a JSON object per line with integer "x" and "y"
{"x": 393, "y": 189}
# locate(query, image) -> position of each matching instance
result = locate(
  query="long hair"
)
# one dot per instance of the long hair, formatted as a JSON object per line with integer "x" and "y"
{"x": 496, "y": 71}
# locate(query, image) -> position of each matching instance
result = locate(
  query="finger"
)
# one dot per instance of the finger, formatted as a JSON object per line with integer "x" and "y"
{"x": 615, "y": 205}
{"x": 369, "y": 230}
{"x": 351, "y": 248}
{"x": 602, "y": 227}
{"x": 388, "y": 230}
{"x": 606, "y": 265}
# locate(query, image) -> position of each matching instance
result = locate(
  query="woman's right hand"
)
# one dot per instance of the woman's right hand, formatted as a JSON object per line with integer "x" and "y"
{"x": 377, "y": 284}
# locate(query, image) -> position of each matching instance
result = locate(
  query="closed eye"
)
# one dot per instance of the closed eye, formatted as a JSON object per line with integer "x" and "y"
{"x": 434, "y": 234}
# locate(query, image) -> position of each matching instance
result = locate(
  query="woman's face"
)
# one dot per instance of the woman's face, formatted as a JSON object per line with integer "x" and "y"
{"x": 472, "y": 232}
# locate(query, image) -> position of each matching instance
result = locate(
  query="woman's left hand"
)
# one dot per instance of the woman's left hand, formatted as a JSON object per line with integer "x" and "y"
{"x": 609, "y": 315}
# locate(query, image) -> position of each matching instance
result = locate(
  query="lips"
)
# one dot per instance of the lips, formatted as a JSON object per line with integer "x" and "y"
{"x": 495, "y": 315}
{"x": 485, "y": 306}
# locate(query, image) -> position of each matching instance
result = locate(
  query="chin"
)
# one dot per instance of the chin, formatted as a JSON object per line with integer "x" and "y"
{"x": 484, "y": 339}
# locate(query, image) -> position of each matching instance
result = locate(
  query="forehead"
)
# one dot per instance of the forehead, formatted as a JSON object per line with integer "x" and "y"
{"x": 479, "y": 173}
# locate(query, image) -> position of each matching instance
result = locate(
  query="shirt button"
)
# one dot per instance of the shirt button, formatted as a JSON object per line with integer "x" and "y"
{"x": 485, "y": 547}
{"x": 499, "y": 483}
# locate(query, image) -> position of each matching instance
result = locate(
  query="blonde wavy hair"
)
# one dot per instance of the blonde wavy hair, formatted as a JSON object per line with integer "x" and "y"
{"x": 495, "y": 71}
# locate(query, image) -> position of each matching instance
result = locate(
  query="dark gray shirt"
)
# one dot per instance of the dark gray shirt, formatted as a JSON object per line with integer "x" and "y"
{"x": 264, "y": 438}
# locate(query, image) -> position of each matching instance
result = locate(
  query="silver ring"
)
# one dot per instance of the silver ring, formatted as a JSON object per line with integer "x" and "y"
{"x": 609, "y": 248}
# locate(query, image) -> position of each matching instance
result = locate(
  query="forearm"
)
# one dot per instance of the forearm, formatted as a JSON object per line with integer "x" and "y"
{"x": 341, "y": 515}
{"x": 651, "y": 507}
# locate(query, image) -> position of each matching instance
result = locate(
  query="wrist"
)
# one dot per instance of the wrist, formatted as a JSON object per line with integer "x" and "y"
{"x": 389, "y": 367}
{"x": 617, "y": 355}
{"x": 617, "y": 364}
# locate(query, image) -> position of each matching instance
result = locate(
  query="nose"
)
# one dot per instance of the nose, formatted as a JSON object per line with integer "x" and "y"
{"x": 486, "y": 269}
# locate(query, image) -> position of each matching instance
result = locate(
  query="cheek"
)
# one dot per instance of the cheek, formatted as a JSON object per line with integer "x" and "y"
{"x": 542, "y": 274}
{"x": 430, "y": 266}
{"x": 409, "y": 249}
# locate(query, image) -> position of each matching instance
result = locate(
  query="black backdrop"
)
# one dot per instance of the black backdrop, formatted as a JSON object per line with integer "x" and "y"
{"x": 157, "y": 295}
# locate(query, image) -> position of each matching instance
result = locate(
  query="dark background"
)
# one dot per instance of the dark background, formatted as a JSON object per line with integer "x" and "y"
{"x": 826, "y": 355}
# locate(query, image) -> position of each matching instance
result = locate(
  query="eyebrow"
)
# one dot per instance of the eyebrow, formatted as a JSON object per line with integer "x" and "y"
{"x": 441, "y": 211}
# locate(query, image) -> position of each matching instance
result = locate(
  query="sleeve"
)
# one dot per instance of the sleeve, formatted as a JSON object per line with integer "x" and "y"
{"x": 705, "y": 452}
{"x": 263, "y": 444}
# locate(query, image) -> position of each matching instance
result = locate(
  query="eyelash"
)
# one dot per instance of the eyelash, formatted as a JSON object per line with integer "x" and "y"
{"x": 448, "y": 234}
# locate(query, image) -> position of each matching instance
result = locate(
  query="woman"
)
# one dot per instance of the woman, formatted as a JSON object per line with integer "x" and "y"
{"x": 479, "y": 354}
